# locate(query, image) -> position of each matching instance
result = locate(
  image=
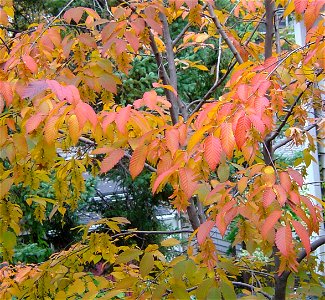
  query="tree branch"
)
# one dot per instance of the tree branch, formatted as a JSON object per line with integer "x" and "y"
{"x": 176, "y": 40}
{"x": 224, "y": 35}
{"x": 170, "y": 232}
{"x": 251, "y": 287}
{"x": 171, "y": 65}
{"x": 288, "y": 140}
{"x": 289, "y": 113}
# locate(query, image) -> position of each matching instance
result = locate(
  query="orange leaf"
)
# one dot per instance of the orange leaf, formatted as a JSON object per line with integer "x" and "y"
{"x": 188, "y": 181}
{"x": 84, "y": 113}
{"x": 268, "y": 196}
{"x": 172, "y": 140}
{"x": 203, "y": 231}
{"x": 269, "y": 222}
{"x": 132, "y": 39}
{"x": 122, "y": 118}
{"x": 296, "y": 176}
{"x": 283, "y": 240}
{"x": 137, "y": 160}
{"x": 30, "y": 63}
{"x": 300, "y": 6}
{"x": 303, "y": 235}
{"x": 212, "y": 151}
{"x": 242, "y": 128}
{"x": 33, "y": 122}
{"x": 88, "y": 40}
{"x": 285, "y": 181}
{"x": 227, "y": 139}
{"x": 111, "y": 160}
{"x": 50, "y": 129}
{"x": 6, "y": 92}
{"x": 281, "y": 194}
{"x": 73, "y": 14}
{"x": 163, "y": 177}
{"x": 74, "y": 130}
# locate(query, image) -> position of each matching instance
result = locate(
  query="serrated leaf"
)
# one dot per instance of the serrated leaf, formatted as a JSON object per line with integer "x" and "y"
{"x": 269, "y": 223}
{"x": 172, "y": 140}
{"x": 74, "y": 129}
{"x": 303, "y": 235}
{"x": 268, "y": 196}
{"x": 170, "y": 242}
{"x": 50, "y": 129}
{"x": 33, "y": 122}
{"x": 111, "y": 160}
{"x": 188, "y": 182}
{"x": 137, "y": 160}
{"x": 212, "y": 151}
{"x": 296, "y": 176}
{"x": 146, "y": 264}
{"x": 122, "y": 118}
{"x": 285, "y": 181}
{"x": 227, "y": 139}
{"x": 242, "y": 128}
{"x": 128, "y": 255}
{"x": 163, "y": 177}
{"x": 204, "y": 231}
{"x": 30, "y": 63}
{"x": 300, "y": 6}
{"x": 84, "y": 113}
{"x": 281, "y": 194}
{"x": 283, "y": 240}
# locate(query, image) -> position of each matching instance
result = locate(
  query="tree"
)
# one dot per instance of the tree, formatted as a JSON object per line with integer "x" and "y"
{"x": 57, "y": 87}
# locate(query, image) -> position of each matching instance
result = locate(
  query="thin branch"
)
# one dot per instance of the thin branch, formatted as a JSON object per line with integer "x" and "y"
{"x": 288, "y": 140}
{"x": 176, "y": 40}
{"x": 289, "y": 113}
{"x": 52, "y": 21}
{"x": 212, "y": 89}
{"x": 224, "y": 35}
{"x": 252, "y": 287}
{"x": 170, "y": 232}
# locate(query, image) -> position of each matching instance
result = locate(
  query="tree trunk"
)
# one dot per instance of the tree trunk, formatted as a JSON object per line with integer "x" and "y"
{"x": 280, "y": 287}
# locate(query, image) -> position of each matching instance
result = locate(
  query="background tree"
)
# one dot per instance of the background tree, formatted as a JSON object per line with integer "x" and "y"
{"x": 52, "y": 73}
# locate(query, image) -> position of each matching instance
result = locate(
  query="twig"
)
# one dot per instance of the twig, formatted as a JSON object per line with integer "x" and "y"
{"x": 52, "y": 21}
{"x": 176, "y": 40}
{"x": 252, "y": 287}
{"x": 130, "y": 232}
{"x": 289, "y": 113}
{"x": 288, "y": 140}
{"x": 224, "y": 35}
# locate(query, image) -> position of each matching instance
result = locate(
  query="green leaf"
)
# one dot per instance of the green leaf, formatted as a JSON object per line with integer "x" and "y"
{"x": 223, "y": 172}
{"x": 227, "y": 290}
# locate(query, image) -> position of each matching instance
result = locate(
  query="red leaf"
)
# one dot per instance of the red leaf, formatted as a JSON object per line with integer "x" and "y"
{"x": 296, "y": 176}
{"x": 111, "y": 160}
{"x": 269, "y": 222}
{"x": 300, "y": 6}
{"x": 212, "y": 151}
{"x": 223, "y": 218}
{"x": 285, "y": 181}
{"x": 303, "y": 235}
{"x": 227, "y": 139}
{"x": 137, "y": 160}
{"x": 204, "y": 230}
{"x": 122, "y": 118}
{"x": 30, "y": 63}
{"x": 283, "y": 240}
{"x": 188, "y": 181}
{"x": 242, "y": 128}
{"x": 268, "y": 196}
{"x": 294, "y": 197}
{"x": 33, "y": 122}
{"x": 172, "y": 140}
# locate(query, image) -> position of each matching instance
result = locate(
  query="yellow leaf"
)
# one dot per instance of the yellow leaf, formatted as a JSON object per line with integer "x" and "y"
{"x": 200, "y": 67}
{"x": 146, "y": 264}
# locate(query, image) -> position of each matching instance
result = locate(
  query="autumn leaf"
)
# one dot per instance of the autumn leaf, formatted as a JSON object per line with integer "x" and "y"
{"x": 212, "y": 151}
{"x": 137, "y": 160}
{"x": 204, "y": 231}
{"x": 283, "y": 240}
{"x": 303, "y": 235}
{"x": 227, "y": 139}
{"x": 111, "y": 160}
{"x": 269, "y": 222}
